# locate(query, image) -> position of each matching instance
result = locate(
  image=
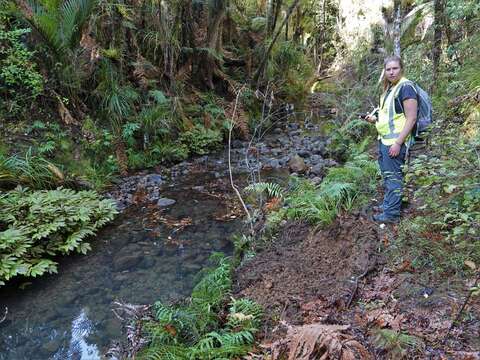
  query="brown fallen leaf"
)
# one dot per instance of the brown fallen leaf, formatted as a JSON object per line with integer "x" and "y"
{"x": 470, "y": 264}
{"x": 405, "y": 266}
{"x": 319, "y": 341}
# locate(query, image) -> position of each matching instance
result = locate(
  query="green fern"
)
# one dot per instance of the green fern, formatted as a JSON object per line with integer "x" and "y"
{"x": 343, "y": 188}
{"x": 195, "y": 330}
{"x": 42, "y": 224}
{"x": 396, "y": 343}
{"x": 271, "y": 189}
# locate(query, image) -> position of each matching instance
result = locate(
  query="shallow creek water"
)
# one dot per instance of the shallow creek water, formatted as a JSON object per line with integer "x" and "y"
{"x": 149, "y": 253}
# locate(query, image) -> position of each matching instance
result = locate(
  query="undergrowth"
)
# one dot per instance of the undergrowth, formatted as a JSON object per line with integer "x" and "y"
{"x": 443, "y": 235}
{"x": 207, "y": 326}
{"x": 37, "y": 225}
{"x": 342, "y": 189}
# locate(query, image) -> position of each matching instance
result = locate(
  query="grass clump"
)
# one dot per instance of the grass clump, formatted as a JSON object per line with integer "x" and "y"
{"x": 201, "y": 328}
{"x": 29, "y": 170}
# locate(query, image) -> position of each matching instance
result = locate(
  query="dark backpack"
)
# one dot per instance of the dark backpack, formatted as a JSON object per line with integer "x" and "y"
{"x": 424, "y": 111}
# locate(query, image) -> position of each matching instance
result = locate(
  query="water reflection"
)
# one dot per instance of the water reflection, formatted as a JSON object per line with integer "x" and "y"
{"x": 79, "y": 348}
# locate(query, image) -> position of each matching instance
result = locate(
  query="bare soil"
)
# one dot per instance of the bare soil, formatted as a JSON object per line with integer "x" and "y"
{"x": 341, "y": 276}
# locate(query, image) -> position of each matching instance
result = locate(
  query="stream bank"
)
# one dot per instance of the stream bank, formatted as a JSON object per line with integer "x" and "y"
{"x": 172, "y": 220}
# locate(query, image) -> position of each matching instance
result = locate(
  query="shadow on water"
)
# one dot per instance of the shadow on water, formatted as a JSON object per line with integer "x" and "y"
{"x": 148, "y": 253}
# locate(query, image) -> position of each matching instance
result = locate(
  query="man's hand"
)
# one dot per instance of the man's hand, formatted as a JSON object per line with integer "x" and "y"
{"x": 394, "y": 150}
{"x": 371, "y": 118}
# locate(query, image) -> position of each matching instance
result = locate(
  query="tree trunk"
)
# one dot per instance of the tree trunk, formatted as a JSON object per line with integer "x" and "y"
{"x": 437, "y": 40}
{"x": 270, "y": 17}
{"x": 323, "y": 26}
{"x": 207, "y": 62}
{"x": 297, "y": 33}
{"x": 397, "y": 22}
{"x": 259, "y": 73}
{"x": 278, "y": 7}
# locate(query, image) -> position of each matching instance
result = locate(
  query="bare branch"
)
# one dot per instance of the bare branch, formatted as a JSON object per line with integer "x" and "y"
{"x": 234, "y": 187}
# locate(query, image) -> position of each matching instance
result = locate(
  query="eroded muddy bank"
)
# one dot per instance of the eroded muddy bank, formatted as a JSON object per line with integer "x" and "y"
{"x": 337, "y": 286}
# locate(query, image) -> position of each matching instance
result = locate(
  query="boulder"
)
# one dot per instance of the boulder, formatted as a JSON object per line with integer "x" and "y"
{"x": 154, "y": 179}
{"x": 318, "y": 170}
{"x": 297, "y": 164}
{"x": 316, "y": 180}
{"x": 304, "y": 153}
{"x": 274, "y": 164}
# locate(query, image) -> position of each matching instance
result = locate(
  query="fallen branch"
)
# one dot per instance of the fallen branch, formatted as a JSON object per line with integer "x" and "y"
{"x": 357, "y": 279}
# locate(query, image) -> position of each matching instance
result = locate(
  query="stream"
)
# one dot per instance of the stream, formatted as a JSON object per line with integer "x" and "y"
{"x": 154, "y": 250}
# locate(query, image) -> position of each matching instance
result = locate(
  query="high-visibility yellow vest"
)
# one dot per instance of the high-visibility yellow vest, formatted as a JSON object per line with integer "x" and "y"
{"x": 390, "y": 124}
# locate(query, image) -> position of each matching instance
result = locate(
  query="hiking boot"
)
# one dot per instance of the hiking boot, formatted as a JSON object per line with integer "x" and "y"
{"x": 382, "y": 218}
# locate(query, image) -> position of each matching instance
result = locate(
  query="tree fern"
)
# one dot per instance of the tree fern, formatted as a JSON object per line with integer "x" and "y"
{"x": 61, "y": 24}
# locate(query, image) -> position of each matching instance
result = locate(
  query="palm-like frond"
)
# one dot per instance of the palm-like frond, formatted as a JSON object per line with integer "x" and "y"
{"x": 62, "y": 24}
{"x": 74, "y": 14}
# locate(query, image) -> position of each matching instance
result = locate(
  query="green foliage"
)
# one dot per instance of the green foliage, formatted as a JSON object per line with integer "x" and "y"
{"x": 396, "y": 343}
{"x": 169, "y": 152}
{"x": 271, "y": 189}
{"x": 290, "y": 70}
{"x": 196, "y": 330}
{"x": 37, "y": 225}
{"x": 20, "y": 82}
{"x": 61, "y": 22}
{"x": 30, "y": 170}
{"x": 342, "y": 189}
{"x": 447, "y": 187}
{"x": 444, "y": 232}
{"x": 117, "y": 98}
{"x": 157, "y": 118}
{"x": 200, "y": 141}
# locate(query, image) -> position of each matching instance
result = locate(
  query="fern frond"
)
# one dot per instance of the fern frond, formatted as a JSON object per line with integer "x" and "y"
{"x": 271, "y": 189}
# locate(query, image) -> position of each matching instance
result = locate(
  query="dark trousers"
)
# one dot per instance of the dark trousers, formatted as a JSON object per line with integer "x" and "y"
{"x": 392, "y": 174}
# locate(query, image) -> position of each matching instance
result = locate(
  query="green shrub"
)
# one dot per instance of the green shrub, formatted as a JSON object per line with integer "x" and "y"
{"x": 342, "y": 189}
{"x": 201, "y": 141}
{"x": 445, "y": 232}
{"x": 169, "y": 152}
{"x": 20, "y": 82}
{"x": 290, "y": 70}
{"x": 37, "y": 225}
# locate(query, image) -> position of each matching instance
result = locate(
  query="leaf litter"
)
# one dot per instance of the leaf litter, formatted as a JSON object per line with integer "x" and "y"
{"x": 304, "y": 280}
